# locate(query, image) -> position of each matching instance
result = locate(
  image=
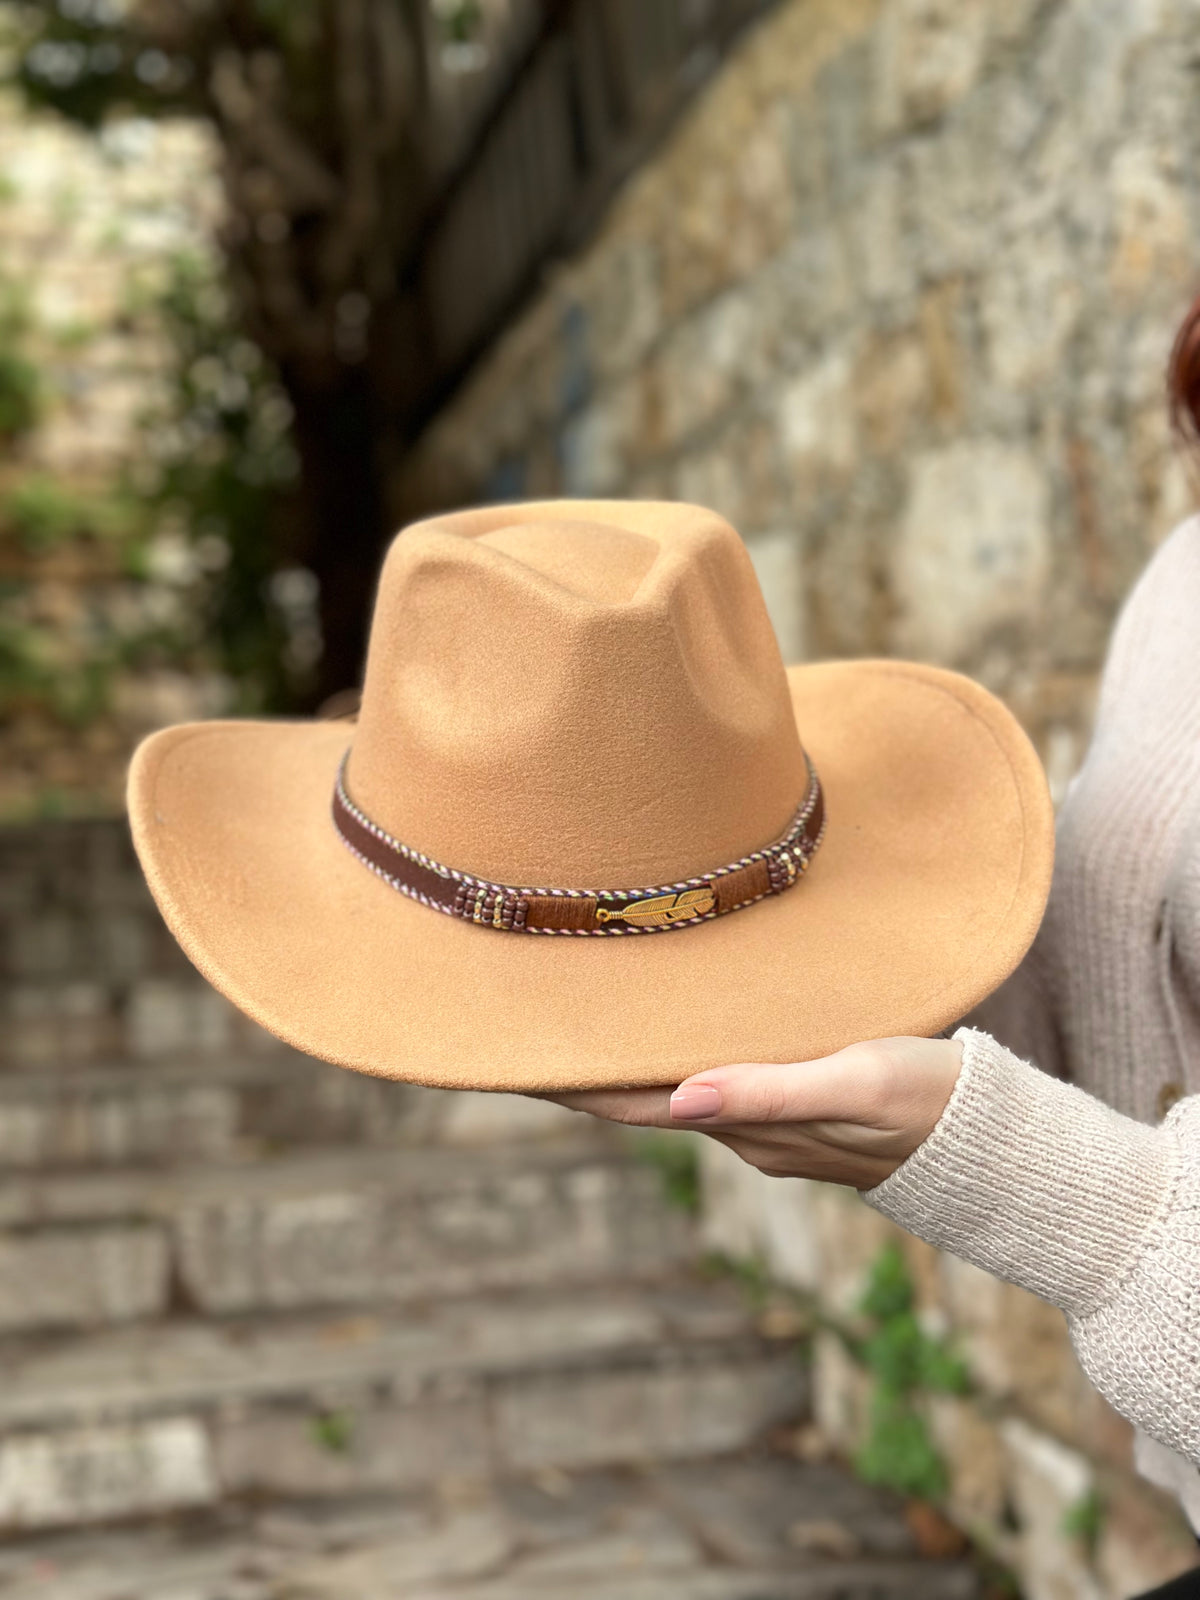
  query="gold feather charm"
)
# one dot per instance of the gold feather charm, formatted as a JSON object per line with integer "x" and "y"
{"x": 663, "y": 909}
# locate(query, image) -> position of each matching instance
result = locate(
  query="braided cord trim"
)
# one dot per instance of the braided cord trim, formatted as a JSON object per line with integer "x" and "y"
{"x": 612, "y": 912}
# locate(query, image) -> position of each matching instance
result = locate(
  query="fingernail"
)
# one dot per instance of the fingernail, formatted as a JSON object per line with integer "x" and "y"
{"x": 695, "y": 1101}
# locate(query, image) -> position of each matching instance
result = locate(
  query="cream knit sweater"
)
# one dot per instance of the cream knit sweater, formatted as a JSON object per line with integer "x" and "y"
{"x": 1087, "y": 1192}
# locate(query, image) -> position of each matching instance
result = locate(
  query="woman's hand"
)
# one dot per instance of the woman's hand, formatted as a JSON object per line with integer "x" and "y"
{"x": 848, "y": 1118}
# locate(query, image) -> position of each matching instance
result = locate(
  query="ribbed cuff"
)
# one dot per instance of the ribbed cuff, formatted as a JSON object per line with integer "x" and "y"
{"x": 1033, "y": 1180}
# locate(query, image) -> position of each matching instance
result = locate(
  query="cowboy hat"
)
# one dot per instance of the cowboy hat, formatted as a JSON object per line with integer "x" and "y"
{"x": 587, "y": 829}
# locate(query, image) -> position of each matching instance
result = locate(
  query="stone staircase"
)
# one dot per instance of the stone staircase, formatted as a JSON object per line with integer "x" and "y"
{"x": 272, "y": 1331}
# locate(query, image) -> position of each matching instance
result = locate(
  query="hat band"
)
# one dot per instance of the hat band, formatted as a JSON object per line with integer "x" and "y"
{"x": 770, "y": 870}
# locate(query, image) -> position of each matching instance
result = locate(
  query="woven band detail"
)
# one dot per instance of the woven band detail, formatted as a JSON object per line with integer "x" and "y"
{"x": 771, "y": 870}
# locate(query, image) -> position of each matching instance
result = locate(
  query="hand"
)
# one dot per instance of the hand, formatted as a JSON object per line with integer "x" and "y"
{"x": 848, "y": 1118}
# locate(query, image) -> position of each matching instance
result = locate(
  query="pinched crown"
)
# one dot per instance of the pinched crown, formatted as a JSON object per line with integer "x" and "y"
{"x": 586, "y": 690}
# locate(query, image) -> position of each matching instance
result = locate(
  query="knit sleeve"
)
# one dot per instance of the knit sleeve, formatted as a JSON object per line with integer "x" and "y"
{"x": 1021, "y": 1013}
{"x": 1047, "y": 1187}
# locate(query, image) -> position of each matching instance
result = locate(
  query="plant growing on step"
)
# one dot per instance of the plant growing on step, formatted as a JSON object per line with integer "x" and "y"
{"x": 749, "y": 1272}
{"x": 332, "y": 1431}
{"x": 676, "y": 1159}
{"x": 1083, "y": 1521}
{"x": 905, "y": 1364}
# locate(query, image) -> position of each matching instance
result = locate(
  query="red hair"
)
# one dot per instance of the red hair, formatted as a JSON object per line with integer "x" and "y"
{"x": 1183, "y": 377}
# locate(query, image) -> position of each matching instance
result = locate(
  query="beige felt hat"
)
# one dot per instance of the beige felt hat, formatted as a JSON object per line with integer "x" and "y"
{"x": 588, "y": 830}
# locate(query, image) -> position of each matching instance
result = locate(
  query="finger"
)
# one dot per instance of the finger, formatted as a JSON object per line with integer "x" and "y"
{"x": 639, "y": 1108}
{"x": 842, "y": 1088}
{"x": 808, "y": 1159}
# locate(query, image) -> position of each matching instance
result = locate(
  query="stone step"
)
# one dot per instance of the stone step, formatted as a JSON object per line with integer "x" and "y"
{"x": 214, "y": 1107}
{"x": 343, "y": 1227}
{"x": 193, "y": 1110}
{"x": 137, "y": 1421}
{"x": 756, "y": 1528}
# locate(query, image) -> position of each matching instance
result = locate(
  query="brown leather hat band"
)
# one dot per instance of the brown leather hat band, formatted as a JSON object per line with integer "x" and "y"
{"x": 592, "y": 911}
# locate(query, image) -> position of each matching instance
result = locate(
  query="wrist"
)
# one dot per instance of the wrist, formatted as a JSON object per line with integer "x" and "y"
{"x": 921, "y": 1075}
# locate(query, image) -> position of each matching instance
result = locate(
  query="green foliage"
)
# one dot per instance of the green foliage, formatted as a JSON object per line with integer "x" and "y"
{"x": 889, "y": 1289}
{"x": 333, "y": 1431}
{"x": 22, "y": 667}
{"x": 20, "y": 388}
{"x": 905, "y": 1363}
{"x": 82, "y": 57}
{"x": 898, "y": 1452}
{"x": 223, "y": 471}
{"x": 903, "y": 1358}
{"x": 200, "y": 529}
{"x": 74, "y": 335}
{"x": 998, "y": 1582}
{"x": 42, "y": 513}
{"x": 318, "y": 229}
{"x": 30, "y": 676}
{"x": 459, "y": 21}
{"x": 676, "y": 1159}
{"x": 85, "y": 58}
{"x": 19, "y": 394}
{"x": 750, "y": 1272}
{"x": 1084, "y": 1521}
{"x": 786, "y": 1312}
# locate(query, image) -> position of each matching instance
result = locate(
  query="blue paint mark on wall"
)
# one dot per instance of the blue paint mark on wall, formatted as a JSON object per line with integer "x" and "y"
{"x": 507, "y": 480}
{"x": 575, "y": 382}
{"x": 574, "y": 392}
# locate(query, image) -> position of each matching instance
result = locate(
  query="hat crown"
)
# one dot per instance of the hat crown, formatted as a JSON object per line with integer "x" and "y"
{"x": 578, "y": 694}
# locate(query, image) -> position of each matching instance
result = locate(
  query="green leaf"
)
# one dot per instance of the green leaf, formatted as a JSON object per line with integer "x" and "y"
{"x": 675, "y": 1157}
{"x": 333, "y": 1431}
{"x": 1084, "y": 1520}
{"x": 889, "y": 1289}
{"x": 898, "y": 1453}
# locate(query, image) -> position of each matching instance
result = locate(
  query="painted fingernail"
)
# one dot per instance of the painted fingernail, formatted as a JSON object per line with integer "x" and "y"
{"x": 695, "y": 1101}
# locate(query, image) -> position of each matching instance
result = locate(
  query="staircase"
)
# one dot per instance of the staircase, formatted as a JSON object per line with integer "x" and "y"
{"x": 272, "y": 1331}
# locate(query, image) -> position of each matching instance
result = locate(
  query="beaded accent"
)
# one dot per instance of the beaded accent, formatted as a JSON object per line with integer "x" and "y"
{"x": 607, "y": 912}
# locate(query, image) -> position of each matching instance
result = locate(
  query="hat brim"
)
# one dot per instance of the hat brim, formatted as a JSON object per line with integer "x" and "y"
{"x": 927, "y": 890}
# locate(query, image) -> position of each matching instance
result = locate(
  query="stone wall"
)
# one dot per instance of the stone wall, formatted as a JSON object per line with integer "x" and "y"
{"x": 1038, "y": 1465}
{"x": 83, "y": 219}
{"x": 897, "y": 299}
{"x": 88, "y": 226}
{"x": 88, "y": 973}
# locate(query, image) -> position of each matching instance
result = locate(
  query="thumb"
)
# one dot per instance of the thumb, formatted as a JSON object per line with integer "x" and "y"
{"x": 838, "y": 1087}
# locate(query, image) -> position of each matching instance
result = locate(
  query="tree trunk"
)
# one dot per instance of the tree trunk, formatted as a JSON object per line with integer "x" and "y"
{"x": 337, "y": 434}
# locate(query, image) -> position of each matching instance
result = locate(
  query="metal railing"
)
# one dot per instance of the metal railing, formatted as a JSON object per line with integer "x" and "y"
{"x": 598, "y": 84}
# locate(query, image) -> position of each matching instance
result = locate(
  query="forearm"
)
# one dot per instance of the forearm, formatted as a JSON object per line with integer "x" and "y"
{"x": 1043, "y": 1185}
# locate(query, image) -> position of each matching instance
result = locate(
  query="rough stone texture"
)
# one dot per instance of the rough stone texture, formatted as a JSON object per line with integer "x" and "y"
{"x": 717, "y": 1533}
{"x": 1048, "y": 1483}
{"x": 99, "y": 1473}
{"x": 271, "y": 1331}
{"x": 972, "y": 552}
{"x": 80, "y": 1276}
{"x": 356, "y": 1241}
{"x": 89, "y": 224}
{"x": 896, "y": 296}
{"x": 344, "y": 1227}
{"x": 471, "y": 1388}
{"x": 1029, "y": 1443}
{"x": 240, "y": 1385}
{"x": 82, "y": 217}
{"x": 228, "y": 1107}
{"x": 88, "y": 973}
